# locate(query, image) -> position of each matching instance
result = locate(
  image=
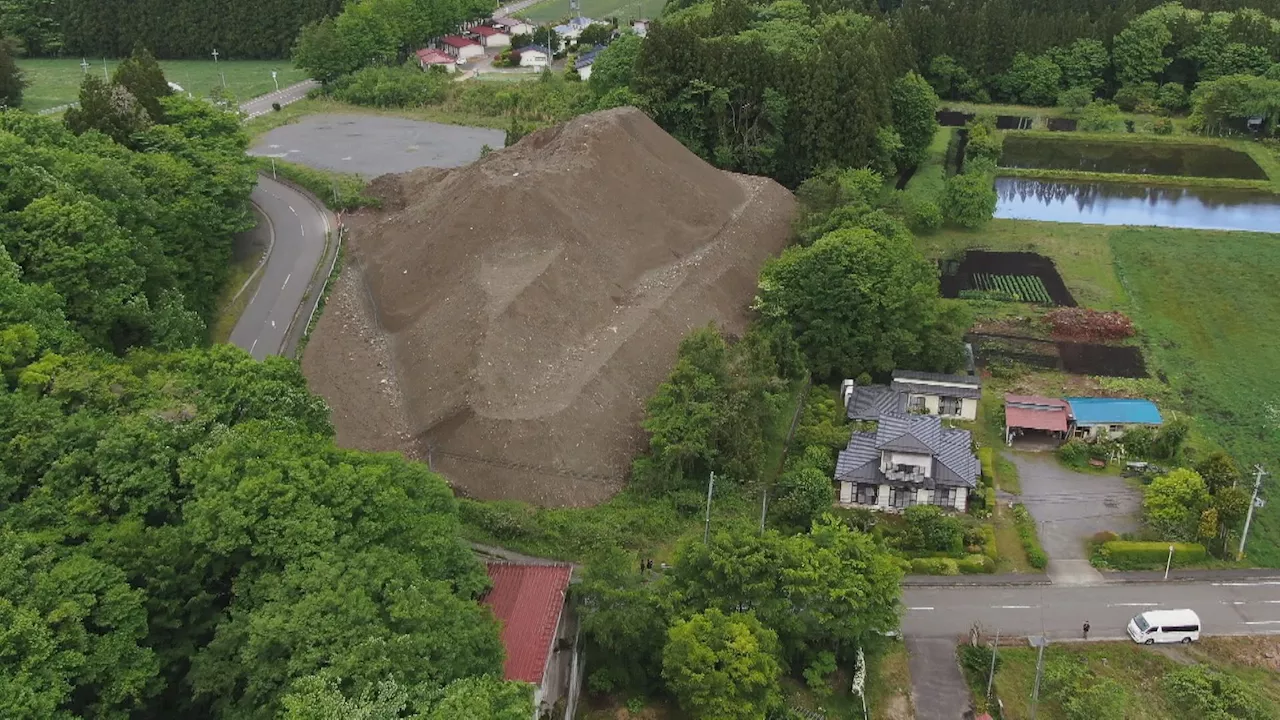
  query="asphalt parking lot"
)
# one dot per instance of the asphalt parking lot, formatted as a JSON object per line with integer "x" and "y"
{"x": 372, "y": 145}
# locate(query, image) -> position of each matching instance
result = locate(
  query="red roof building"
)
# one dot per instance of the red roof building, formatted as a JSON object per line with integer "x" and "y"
{"x": 461, "y": 47}
{"x": 428, "y": 57}
{"x": 1034, "y": 412}
{"x": 457, "y": 41}
{"x": 486, "y": 30}
{"x": 529, "y": 601}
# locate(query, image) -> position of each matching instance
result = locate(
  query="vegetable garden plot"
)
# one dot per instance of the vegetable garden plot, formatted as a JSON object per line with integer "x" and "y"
{"x": 1018, "y": 288}
{"x": 1073, "y": 357}
{"x": 962, "y": 275}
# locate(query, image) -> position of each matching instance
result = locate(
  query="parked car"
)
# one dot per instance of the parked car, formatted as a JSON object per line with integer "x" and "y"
{"x": 1165, "y": 626}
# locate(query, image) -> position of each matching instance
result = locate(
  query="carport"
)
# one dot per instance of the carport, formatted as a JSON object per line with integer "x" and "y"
{"x": 1038, "y": 421}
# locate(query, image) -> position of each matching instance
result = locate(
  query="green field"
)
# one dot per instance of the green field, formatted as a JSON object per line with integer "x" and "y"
{"x": 54, "y": 82}
{"x": 624, "y": 10}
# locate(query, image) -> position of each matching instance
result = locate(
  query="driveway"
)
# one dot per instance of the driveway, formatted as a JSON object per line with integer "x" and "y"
{"x": 373, "y": 145}
{"x": 1069, "y": 507}
{"x": 938, "y": 689}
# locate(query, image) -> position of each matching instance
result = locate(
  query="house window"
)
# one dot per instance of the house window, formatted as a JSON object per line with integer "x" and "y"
{"x": 916, "y": 403}
{"x": 902, "y": 497}
{"x": 949, "y": 406}
{"x": 1115, "y": 429}
{"x": 867, "y": 494}
{"x": 944, "y": 497}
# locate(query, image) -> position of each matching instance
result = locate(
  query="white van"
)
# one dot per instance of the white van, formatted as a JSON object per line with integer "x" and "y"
{"x": 1165, "y": 626}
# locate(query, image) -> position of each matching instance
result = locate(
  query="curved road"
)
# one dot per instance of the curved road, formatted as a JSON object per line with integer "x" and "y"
{"x": 295, "y": 236}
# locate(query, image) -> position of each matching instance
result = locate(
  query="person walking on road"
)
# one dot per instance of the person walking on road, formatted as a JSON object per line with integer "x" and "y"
{"x": 1086, "y": 629}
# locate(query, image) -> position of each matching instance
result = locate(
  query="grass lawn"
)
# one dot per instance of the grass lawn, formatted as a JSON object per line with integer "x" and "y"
{"x": 56, "y": 81}
{"x": 624, "y": 10}
{"x": 1139, "y": 670}
{"x": 1208, "y": 307}
{"x": 929, "y": 179}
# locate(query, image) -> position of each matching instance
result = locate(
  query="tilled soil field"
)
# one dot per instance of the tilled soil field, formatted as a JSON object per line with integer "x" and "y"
{"x": 507, "y": 321}
{"x": 959, "y": 275}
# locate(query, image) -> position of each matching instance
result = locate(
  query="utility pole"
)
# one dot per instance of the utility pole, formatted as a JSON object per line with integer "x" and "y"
{"x": 105, "y": 76}
{"x": 706, "y": 531}
{"x": 991, "y": 676}
{"x": 764, "y": 505}
{"x": 84, "y": 66}
{"x": 1040, "y": 642}
{"x": 1253, "y": 502}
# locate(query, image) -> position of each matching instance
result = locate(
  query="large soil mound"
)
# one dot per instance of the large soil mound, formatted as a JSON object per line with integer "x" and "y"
{"x": 507, "y": 321}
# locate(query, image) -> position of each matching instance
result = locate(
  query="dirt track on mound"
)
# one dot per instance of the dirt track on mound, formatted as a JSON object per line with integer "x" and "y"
{"x": 507, "y": 321}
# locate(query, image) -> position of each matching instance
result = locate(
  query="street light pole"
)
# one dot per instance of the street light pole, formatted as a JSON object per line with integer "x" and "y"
{"x": 706, "y": 532}
{"x": 275, "y": 80}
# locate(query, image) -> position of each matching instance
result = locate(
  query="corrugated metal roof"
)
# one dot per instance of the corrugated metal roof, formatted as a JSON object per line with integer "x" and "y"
{"x": 1114, "y": 411}
{"x": 527, "y": 600}
{"x": 1034, "y": 412}
{"x": 457, "y": 41}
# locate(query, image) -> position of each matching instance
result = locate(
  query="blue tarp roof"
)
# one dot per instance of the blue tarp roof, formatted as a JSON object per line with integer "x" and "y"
{"x": 1113, "y": 411}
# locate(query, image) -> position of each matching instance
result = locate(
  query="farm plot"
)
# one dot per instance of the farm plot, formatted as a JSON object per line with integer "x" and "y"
{"x": 1013, "y": 288}
{"x": 1079, "y": 358}
{"x": 1024, "y": 276}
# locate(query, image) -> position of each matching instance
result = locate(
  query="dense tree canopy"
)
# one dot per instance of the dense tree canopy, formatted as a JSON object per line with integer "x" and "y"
{"x": 181, "y": 537}
{"x": 134, "y": 243}
{"x": 12, "y": 82}
{"x": 722, "y": 667}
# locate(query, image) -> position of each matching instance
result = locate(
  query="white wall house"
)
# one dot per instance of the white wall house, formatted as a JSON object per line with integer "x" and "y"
{"x": 950, "y": 396}
{"x": 491, "y": 37}
{"x": 908, "y": 460}
{"x": 515, "y": 26}
{"x": 461, "y": 48}
{"x": 534, "y": 56}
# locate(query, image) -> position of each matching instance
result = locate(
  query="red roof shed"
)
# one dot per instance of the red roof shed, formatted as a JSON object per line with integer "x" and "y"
{"x": 1033, "y": 412}
{"x": 486, "y": 30}
{"x": 431, "y": 56}
{"x": 528, "y": 600}
{"x": 457, "y": 41}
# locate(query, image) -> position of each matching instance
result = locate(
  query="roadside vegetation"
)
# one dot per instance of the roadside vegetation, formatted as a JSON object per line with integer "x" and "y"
{"x": 1215, "y": 678}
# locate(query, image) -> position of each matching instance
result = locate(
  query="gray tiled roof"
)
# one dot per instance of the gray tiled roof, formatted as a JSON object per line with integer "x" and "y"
{"x": 869, "y": 402}
{"x": 953, "y": 461}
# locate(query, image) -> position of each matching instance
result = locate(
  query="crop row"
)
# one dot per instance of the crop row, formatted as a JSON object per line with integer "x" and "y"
{"x": 1025, "y": 288}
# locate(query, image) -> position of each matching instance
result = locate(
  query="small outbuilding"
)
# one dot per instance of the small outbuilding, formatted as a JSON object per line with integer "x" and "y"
{"x": 584, "y": 62}
{"x": 951, "y": 396}
{"x": 1036, "y": 417}
{"x": 533, "y": 56}
{"x": 1099, "y": 418}
{"x": 430, "y": 58}
{"x": 490, "y": 36}
{"x": 515, "y": 26}
{"x": 461, "y": 48}
{"x": 538, "y": 627}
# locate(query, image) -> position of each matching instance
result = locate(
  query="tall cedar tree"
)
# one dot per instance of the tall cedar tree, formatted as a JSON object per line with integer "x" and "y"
{"x": 141, "y": 75}
{"x": 108, "y": 108}
{"x": 11, "y": 81}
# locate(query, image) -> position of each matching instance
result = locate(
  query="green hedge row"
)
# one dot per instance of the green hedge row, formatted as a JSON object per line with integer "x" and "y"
{"x": 1026, "y": 526}
{"x": 968, "y": 565}
{"x": 1131, "y": 555}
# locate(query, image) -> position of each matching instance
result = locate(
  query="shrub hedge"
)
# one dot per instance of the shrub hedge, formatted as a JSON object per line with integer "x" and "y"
{"x": 987, "y": 456}
{"x": 976, "y": 565}
{"x": 1026, "y": 526}
{"x": 1131, "y": 555}
{"x": 935, "y": 566}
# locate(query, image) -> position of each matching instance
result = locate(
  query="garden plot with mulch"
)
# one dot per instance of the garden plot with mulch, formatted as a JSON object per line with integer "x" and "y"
{"x": 1012, "y": 276}
{"x": 1074, "y": 340}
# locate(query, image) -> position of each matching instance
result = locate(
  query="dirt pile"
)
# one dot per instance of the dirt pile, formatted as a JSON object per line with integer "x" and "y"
{"x": 514, "y": 315}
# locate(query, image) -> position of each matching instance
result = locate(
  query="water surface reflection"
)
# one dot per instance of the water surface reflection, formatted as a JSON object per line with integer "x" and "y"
{"x": 1124, "y": 204}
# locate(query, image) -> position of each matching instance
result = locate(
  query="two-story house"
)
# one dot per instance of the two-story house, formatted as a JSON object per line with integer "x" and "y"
{"x": 908, "y": 460}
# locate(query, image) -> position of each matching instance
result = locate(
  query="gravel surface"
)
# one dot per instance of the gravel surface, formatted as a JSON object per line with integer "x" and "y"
{"x": 372, "y": 145}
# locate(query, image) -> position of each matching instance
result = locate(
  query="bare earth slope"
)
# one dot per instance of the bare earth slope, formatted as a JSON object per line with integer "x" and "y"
{"x": 517, "y": 313}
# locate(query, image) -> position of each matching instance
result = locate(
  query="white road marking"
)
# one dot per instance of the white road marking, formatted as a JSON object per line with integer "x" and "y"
{"x": 1132, "y": 604}
{"x": 919, "y": 608}
{"x": 254, "y": 345}
{"x": 295, "y": 212}
{"x": 1247, "y": 584}
{"x": 286, "y": 280}
{"x": 1247, "y": 602}
{"x": 1263, "y": 622}
{"x": 1014, "y": 607}
{"x": 273, "y": 323}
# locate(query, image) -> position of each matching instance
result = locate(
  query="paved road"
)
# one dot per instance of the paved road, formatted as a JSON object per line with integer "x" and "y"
{"x": 295, "y": 233}
{"x": 262, "y": 105}
{"x": 1226, "y": 607}
{"x": 938, "y": 689}
{"x": 1069, "y": 507}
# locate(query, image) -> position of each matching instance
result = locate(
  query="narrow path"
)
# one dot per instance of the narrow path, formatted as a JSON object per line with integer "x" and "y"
{"x": 938, "y": 689}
